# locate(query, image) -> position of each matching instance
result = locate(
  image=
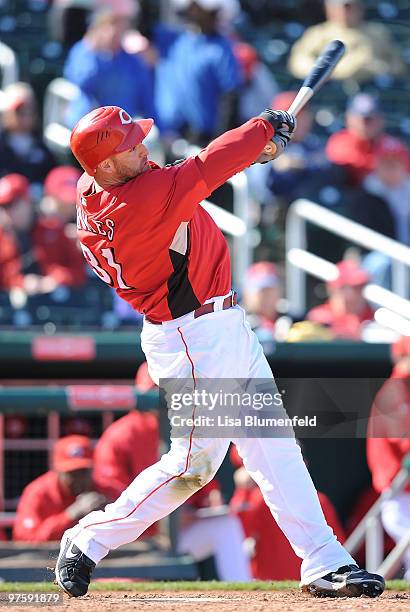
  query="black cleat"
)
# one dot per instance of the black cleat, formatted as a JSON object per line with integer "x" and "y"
{"x": 73, "y": 569}
{"x": 347, "y": 581}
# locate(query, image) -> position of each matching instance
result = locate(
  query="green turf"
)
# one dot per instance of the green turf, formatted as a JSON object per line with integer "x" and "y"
{"x": 394, "y": 585}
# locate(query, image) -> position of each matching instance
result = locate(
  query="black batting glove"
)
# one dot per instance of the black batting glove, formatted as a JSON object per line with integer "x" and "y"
{"x": 280, "y": 120}
{"x": 284, "y": 125}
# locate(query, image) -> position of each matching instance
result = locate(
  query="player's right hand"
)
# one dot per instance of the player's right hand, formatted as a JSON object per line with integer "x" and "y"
{"x": 282, "y": 120}
{"x": 85, "y": 503}
{"x": 284, "y": 125}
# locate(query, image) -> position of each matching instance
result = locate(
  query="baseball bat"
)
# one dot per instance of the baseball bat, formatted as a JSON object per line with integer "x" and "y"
{"x": 321, "y": 71}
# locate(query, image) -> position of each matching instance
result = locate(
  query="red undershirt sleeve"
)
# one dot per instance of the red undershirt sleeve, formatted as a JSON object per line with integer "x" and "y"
{"x": 197, "y": 177}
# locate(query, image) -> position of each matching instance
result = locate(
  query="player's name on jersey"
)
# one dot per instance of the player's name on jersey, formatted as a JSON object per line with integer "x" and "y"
{"x": 249, "y": 420}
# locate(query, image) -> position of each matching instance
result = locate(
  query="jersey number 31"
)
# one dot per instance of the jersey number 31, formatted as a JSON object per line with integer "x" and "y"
{"x": 116, "y": 269}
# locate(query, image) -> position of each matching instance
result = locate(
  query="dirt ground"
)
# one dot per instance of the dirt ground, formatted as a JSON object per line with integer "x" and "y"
{"x": 230, "y": 601}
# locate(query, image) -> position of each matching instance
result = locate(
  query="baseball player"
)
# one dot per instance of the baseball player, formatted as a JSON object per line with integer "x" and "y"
{"x": 143, "y": 231}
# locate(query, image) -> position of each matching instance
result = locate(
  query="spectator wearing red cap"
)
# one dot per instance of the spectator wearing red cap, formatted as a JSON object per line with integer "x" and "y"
{"x": 55, "y": 501}
{"x": 355, "y": 147}
{"x": 272, "y": 556}
{"x": 388, "y": 442}
{"x": 258, "y": 84}
{"x": 60, "y": 190}
{"x": 346, "y": 310}
{"x": 22, "y": 149}
{"x": 35, "y": 254}
{"x": 130, "y": 445}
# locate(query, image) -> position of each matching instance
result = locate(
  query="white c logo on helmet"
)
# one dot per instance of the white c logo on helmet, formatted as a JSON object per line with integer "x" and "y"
{"x": 124, "y": 117}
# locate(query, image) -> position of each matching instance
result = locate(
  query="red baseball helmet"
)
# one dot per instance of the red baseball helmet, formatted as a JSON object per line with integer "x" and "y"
{"x": 104, "y": 132}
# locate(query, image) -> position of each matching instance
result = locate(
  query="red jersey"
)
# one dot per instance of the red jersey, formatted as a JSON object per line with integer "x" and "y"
{"x": 41, "y": 512}
{"x": 389, "y": 419}
{"x": 357, "y": 154}
{"x": 150, "y": 239}
{"x": 345, "y": 325}
{"x": 125, "y": 449}
{"x": 52, "y": 251}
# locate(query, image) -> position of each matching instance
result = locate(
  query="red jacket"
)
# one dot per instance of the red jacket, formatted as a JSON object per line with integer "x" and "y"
{"x": 274, "y": 558}
{"x": 343, "y": 326}
{"x": 357, "y": 155}
{"x": 389, "y": 419}
{"x": 125, "y": 449}
{"x": 41, "y": 512}
{"x": 56, "y": 255}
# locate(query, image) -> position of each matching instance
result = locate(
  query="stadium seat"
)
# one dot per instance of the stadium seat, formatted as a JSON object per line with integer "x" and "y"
{"x": 8, "y": 65}
{"x": 59, "y": 94}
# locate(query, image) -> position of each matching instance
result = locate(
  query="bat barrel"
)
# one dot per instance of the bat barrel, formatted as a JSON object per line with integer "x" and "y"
{"x": 324, "y": 65}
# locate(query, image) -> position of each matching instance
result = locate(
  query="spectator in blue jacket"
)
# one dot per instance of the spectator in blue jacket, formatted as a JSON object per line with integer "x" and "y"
{"x": 197, "y": 76}
{"x": 105, "y": 73}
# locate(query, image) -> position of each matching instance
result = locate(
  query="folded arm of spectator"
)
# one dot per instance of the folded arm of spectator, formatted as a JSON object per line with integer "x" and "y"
{"x": 32, "y": 526}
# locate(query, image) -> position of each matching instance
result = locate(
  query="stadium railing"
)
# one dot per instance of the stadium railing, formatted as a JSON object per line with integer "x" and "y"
{"x": 300, "y": 261}
{"x": 370, "y": 531}
{"x": 9, "y": 66}
{"x": 58, "y": 96}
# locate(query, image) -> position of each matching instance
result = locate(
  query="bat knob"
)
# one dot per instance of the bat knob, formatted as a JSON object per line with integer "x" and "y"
{"x": 270, "y": 148}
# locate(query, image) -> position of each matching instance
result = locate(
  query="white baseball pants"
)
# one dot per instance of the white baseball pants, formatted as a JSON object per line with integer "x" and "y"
{"x": 217, "y": 345}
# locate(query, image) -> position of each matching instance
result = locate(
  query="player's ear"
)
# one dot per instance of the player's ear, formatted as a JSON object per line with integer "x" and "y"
{"x": 107, "y": 164}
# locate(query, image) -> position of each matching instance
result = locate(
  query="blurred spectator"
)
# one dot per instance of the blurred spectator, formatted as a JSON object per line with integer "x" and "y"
{"x": 105, "y": 73}
{"x": 302, "y": 171}
{"x": 391, "y": 181}
{"x": 262, "y": 292}
{"x": 130, "y": 445}
{"x": 303, "y": 160}
{"x": 21, "y": 147}
{"x": 308, "y": 331}
{"x": 388, "y": 442}
{"x": 258, "y": 82}
{"x": 35, "y": 254}
{"x": 273, "y": 557}
{"x": 56, "y": 501}
{"x": 356, "y": 145}
{"x": 370, "y": 50}
{"x": 346, "y": 310}
{"x": 198, "y": 76}
{"x": 60, "y": 191}
{"x": 383, "y": 204}
{"x": 68, "y": 18}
